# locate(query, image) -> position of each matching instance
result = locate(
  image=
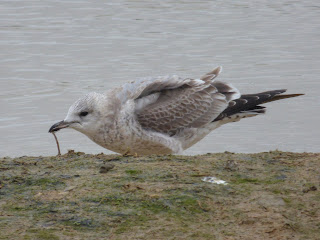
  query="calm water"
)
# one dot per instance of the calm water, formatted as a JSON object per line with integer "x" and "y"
{"x": 53, "y": 52}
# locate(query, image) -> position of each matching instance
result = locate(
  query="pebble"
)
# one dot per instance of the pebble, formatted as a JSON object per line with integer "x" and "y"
{"x": 106, "y": 168}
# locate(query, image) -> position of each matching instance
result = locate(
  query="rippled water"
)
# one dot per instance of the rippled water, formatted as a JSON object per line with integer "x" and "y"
{"x": 53, "y": 52}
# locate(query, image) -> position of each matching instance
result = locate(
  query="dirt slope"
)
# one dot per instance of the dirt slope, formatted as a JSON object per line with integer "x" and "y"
{"x": 272, "y": 195}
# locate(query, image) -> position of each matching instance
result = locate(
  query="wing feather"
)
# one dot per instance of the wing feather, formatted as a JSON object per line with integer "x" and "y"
{"x": 183, "y": 104}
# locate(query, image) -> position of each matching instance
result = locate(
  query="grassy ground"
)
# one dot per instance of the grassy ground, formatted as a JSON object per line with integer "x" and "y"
{"x": 272, "y": 195}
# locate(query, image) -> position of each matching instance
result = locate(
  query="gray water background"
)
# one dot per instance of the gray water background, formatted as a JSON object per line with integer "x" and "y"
{"x": 53, "y": 52}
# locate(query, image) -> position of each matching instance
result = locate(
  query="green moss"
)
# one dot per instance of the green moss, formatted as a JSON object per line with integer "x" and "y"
{"x": 245, "y": 180}
{"x": 276, "y": 191}
{"x": 154, "y": 206}
{"x": 46, "y": 182}
{"x": 200, "y": 235}
{"x": 21, "y": 184}
{"x": 17, "y": 207}
{"x": 133, "y": 172}
{"x": 114, "y": 199}
{"x": 79, "y": 222}
{"x": 41, "y": 234}
{"x": 44, "y": 235}
{"x": 316, "y": 196}
{"x": 128, "y": 224}
{"x": 287, "y": 201}
{"x": 188, "y": 203}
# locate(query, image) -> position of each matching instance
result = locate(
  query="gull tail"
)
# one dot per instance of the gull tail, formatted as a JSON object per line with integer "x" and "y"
{"x": 248, "y": 105}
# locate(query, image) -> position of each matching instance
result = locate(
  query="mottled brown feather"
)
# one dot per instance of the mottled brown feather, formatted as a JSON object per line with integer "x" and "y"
{"x": 189, "y": 106}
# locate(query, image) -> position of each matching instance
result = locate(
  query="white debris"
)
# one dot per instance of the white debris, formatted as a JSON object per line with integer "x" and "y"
{"x": 214, "y": 180}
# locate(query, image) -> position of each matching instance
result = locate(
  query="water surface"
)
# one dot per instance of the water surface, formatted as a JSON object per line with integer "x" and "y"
{"x": 53, "y": 52}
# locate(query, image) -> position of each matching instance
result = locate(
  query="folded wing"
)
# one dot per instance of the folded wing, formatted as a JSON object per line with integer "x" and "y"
{"x": 188, "y": 103}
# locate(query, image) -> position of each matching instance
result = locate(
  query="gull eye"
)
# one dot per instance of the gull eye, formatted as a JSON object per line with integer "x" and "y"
{"x": 83, "y": 114}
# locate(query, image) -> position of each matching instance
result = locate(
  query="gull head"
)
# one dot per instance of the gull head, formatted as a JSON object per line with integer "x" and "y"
{"x": 83, "y": 115}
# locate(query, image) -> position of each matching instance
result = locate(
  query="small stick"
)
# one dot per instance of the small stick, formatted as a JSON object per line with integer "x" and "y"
{"x": 55, "y": 137}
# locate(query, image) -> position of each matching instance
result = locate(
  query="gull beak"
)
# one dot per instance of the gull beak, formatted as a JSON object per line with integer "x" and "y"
{"x": 59, "y": 125}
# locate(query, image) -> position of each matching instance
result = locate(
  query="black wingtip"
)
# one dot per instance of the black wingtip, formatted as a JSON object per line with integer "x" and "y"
{"x": 283, "y": 96}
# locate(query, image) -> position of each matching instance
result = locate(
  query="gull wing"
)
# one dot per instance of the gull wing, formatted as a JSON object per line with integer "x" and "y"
{"x": 248, "y": 105}
{"x": 171, "y": 105}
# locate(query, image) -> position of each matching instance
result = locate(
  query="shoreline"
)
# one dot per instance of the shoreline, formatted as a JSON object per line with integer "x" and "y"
{"x": 83, "y": 196}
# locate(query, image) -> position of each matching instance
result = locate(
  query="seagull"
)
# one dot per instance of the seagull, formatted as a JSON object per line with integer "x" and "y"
{"x": 162, "y": 115}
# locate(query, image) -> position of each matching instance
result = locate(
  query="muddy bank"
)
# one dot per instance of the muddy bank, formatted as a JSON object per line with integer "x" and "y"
{"x": 272, "y": 195}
